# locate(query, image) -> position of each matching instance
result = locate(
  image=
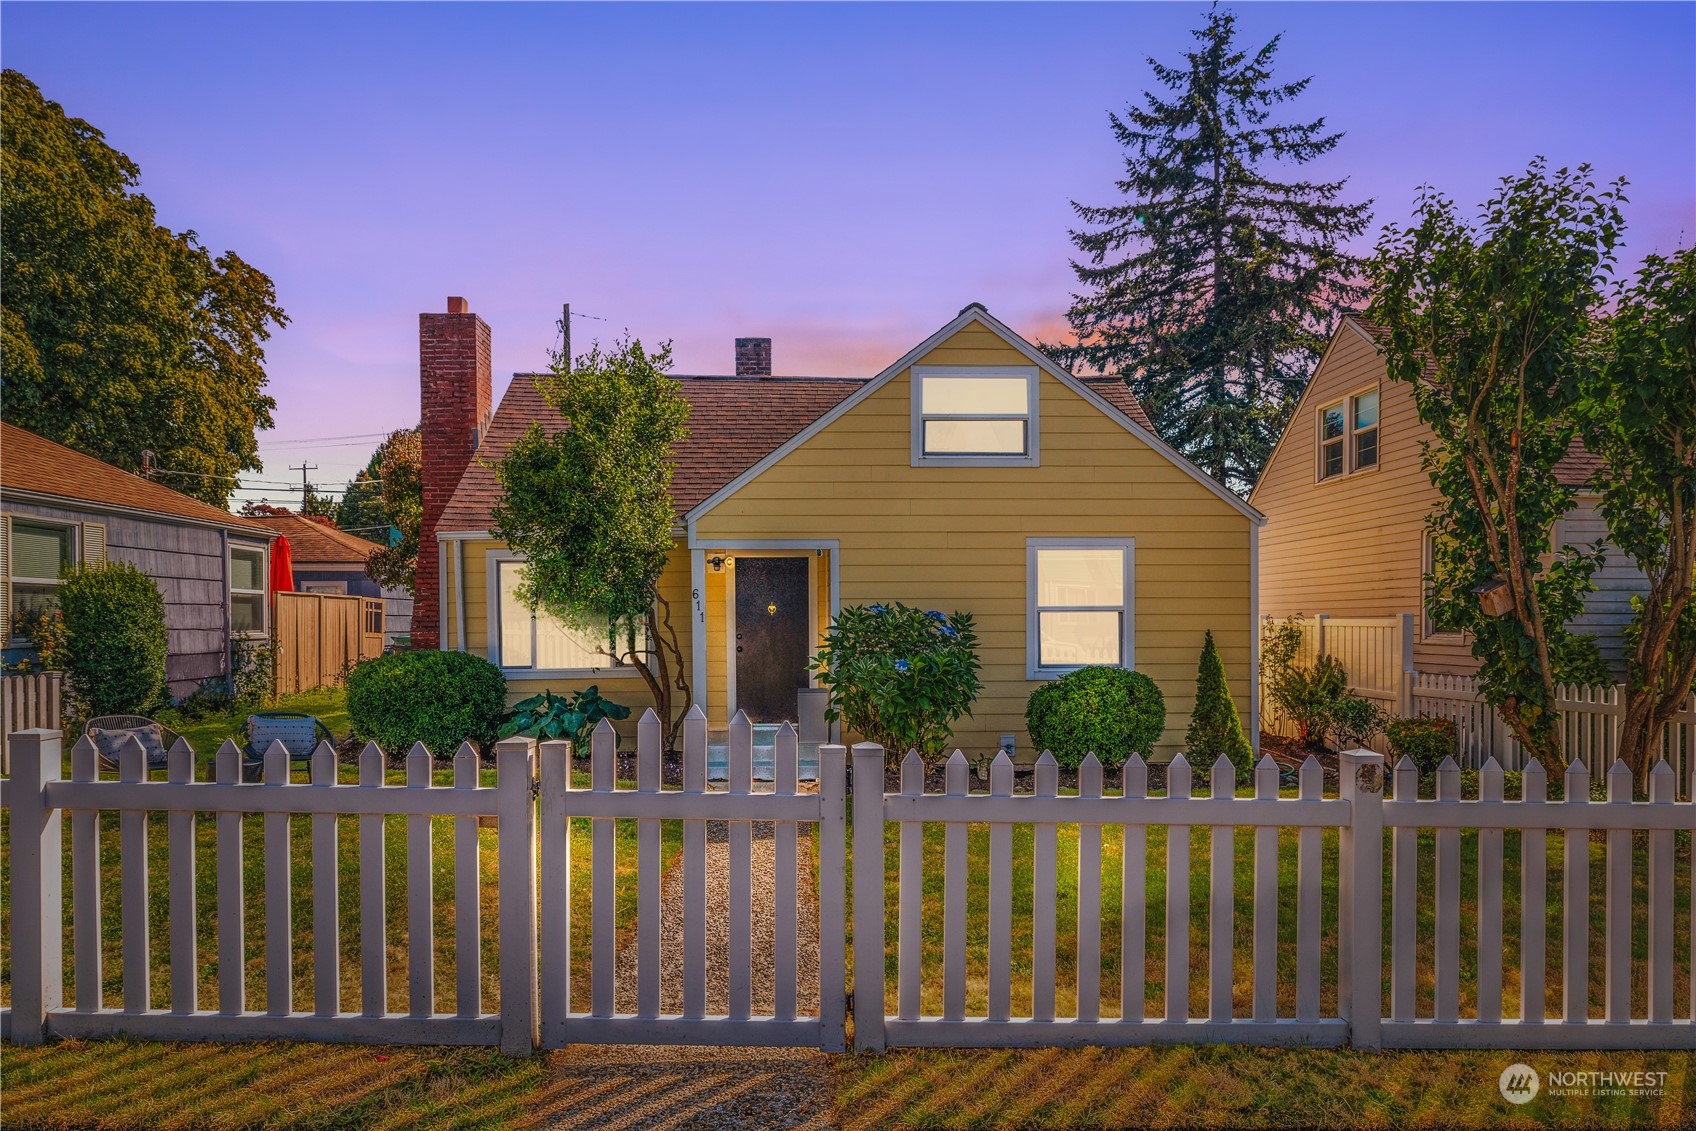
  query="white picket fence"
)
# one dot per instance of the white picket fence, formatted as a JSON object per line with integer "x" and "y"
{"x": 1377, "y": 654}
{"x": 787, "y": 808}
{"x": 1362, "y": 817}
{"x": 1533, "y": 817}
{"x": 28, "y": 701}
{"x": 37, "y": 799}
{"x": 1178, "y": 811}
{"x": 1590, "y": 722}
{"x": 534, "y": 1003}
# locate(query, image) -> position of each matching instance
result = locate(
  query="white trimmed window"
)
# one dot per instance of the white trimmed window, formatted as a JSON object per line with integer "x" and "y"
{"x": 38, "y": 552}
{"x": 247, "y": 590}
{"x": 1079, "y": 604}
{"x": 1348, "y": 435}
{"x": 974, "y": 416}
{"x": 535, "y": 643}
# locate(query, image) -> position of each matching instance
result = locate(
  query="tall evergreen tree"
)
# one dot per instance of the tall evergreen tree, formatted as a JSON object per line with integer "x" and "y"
{"x": 1211, "y": 288}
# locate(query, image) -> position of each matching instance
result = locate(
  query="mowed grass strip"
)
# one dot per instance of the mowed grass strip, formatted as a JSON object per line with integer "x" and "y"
{"x": 121, "y": 1084}
{"x": 1239, "y": 1087}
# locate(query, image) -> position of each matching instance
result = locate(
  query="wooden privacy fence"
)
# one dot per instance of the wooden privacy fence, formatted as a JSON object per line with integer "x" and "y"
{"x": 27, "y": 702}
{"x": 1359, "y": 972}
{"x": 1376, "y": 652}
{"x": 321, "y": 635}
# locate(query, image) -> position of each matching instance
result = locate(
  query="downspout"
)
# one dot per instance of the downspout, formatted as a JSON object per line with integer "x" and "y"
{"x": 441, "y": 606}
{"x": 1254, "y": 636}
{"x": 229, "y": 644}
{"x": 459, "y": 593}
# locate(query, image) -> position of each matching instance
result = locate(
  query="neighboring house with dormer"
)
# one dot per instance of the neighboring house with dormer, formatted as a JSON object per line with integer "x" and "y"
{"x": 1346, "y": 499}
{"x": 59, "y": 507}
{"x": 971, "y": 474}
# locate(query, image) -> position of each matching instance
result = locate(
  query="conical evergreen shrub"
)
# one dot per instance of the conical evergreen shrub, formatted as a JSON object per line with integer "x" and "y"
{"x": 1215, "y": 728}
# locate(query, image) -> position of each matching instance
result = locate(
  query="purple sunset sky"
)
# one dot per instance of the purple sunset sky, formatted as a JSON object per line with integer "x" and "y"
{"x": 840, "y": 178}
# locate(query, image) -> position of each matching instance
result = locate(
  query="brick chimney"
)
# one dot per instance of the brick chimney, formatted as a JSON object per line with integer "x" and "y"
{"x": 753, "y": 357}
{"x": 455, "y": 402}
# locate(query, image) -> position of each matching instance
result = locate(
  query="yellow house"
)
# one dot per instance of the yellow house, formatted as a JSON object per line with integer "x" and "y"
{"x": 972, "y": 474}
{"x": 1346, "y": 498}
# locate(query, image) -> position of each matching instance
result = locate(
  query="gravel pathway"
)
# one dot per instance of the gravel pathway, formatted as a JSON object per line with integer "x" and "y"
{"x": 638, "y": 1087}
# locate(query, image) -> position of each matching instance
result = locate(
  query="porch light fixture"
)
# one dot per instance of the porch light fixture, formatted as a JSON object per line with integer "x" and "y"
{"x": 718, "y": 563}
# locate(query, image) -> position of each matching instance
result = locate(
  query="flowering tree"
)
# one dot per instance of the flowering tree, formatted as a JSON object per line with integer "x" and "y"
{"x": 900, "y": 676}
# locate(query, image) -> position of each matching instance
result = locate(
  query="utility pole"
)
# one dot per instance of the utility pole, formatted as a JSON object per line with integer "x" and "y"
{"x": 305, "y": 487}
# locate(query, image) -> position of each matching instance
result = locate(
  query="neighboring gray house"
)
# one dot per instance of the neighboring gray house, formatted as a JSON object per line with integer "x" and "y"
{"x": 330, "y": 560}
{"x": 59, "y": 507}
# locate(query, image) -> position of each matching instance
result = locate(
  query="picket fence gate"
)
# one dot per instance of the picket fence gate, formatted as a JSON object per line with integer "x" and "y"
{"x": 694, "y": 806}
{"x": 535, "y": 976}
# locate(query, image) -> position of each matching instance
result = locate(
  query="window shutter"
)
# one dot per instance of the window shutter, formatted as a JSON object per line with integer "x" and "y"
{"x": 5, "y": 579}
{"x": 93, "y": 543}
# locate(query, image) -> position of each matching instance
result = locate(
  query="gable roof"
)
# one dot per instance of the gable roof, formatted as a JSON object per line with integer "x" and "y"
{"x": 312, "y": 541}
{"x": 39, "y": 466}
{"x": 733, "y": 422}
{"x": 1574, "y": 469}
{"x": 1109, "y": 395}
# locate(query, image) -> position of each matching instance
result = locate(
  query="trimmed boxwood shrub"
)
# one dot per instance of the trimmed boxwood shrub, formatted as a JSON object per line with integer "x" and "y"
{"x": 114, "y": 638}
{"x": 1109, "y": 711}
{"x": 438, "y": 698}
{"x": 1425, "y": 739}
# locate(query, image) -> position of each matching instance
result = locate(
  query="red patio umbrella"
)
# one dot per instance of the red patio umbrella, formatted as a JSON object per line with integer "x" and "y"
{"x": 282, "y": 566}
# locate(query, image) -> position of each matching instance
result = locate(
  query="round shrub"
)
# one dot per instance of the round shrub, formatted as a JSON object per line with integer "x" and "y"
{"x": 900, "y": 676}
{"x": 1424, "y": 739}
{"x": 438, "y": 698}
{"x": 1109, "y": 711}
{"x": 114, "y": 638}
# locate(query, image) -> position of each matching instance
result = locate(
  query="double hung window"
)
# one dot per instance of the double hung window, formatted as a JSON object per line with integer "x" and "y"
{"x": 1079, "y": 604}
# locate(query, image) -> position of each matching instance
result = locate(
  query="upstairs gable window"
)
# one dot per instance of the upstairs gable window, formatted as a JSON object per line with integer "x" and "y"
{"x": 1348, "y": 435}
{"x": 974, "y": 415}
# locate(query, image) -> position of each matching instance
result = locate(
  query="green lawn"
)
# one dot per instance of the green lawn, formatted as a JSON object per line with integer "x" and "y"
{"x": 206, "y": 734}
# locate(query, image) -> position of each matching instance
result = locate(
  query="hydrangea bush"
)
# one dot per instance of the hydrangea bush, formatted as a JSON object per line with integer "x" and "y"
{"x": 900, "y": 676}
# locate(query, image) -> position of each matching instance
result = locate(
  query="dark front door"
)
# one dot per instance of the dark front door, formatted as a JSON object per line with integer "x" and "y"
{"x": 771, "y": 636}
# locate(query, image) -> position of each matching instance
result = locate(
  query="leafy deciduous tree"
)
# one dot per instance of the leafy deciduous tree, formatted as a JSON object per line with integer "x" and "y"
{"x": 1212, "y": 288}
{"x": 1639, "y": 415}
{"x": 1487, "y": 323}
{"x": 119, "y": 335}
{"x": 590, "y": 508}
{"x": 402, "y": 474}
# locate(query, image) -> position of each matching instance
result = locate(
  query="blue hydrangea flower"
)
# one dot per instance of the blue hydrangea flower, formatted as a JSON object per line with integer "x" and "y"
{"x": 902, "y": 665}
{"x": 936, "y": 616}
{"x": 878, "y": 610}
{"x": 950, "y": 631}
